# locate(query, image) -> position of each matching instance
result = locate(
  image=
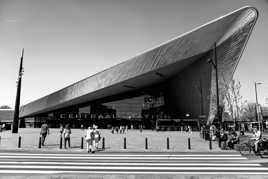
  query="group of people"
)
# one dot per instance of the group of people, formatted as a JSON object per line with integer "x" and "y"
{"x": 92, "y": 137}
{"x": 231, "y": 138}
{"x": 228, "y": 139}
{"x": 65, "y": 133}
{"x": 121, "y": 129}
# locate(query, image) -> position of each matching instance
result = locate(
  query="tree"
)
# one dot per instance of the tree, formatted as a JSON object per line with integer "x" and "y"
{"x": 5, "y": 107}
{"x": 248, "y": 112}
{"x": 233, "y": 99}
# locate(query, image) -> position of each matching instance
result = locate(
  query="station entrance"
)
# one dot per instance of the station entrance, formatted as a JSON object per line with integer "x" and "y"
{"x": 145, "y": 111}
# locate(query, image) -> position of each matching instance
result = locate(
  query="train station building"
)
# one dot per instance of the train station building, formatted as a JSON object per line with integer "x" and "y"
{"x": 173, "y": 81}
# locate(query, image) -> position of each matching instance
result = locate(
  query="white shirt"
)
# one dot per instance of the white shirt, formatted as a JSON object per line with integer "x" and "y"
{"x": 257, "y": 134}
{"x": 88, "y": 133}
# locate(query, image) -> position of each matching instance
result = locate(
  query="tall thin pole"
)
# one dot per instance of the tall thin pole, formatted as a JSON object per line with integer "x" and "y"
{"x": 15, "y": 123}
{"x": 257, "y": 106}
{"x": 201, "y": 97}
{"x": 256, "y": 94}
{"x": 217, "y": 85}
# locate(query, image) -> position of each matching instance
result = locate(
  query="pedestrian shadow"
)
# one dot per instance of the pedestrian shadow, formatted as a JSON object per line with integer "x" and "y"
{"x": 101, "y": 149}
{"x": 76, "y": 147}
{"x": 51, "y": 145}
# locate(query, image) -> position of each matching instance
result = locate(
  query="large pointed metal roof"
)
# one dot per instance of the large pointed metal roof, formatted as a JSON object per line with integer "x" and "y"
{"x": 151, "y": 66}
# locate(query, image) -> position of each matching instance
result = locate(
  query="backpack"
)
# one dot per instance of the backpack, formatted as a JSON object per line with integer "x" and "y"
{"x": 44, "y": 129}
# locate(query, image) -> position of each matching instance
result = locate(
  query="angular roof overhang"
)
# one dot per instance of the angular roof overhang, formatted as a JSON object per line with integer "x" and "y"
{"x": 150, "y": 67}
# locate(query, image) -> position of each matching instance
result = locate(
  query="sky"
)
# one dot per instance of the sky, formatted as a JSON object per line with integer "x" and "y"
{"x": 68, "y": 40}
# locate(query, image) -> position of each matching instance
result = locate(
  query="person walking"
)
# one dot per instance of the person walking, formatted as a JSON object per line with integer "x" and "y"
{"x": 61, "y": 129}
{"x": 67, "y": 135}
{"x": 44, "y": 132}
{"x": 97, "y": 137}
{"x": 189, "y": 130}
{"x": 89, "y": 139}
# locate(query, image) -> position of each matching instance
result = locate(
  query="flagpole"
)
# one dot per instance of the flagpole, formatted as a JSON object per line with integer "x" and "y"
{"x": 15, "y": 124}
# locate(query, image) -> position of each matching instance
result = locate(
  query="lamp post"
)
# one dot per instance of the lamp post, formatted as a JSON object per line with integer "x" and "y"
{"x": 15, "y": 123}
{"x": 257, "y": 105}
{"x": 214, "y": 63}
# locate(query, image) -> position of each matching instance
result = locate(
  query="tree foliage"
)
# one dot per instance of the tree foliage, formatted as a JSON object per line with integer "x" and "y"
{"x": 233, "y": 99}
{"x": 248, "y": 111}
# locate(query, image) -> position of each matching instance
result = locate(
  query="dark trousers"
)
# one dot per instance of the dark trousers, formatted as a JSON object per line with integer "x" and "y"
{"x": 67, "y": 140}
{"x": 43, "y": 138}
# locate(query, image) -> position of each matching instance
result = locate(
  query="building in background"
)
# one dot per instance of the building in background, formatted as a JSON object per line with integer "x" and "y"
{"x": 173, "y": 81}
{"x": 6, "y": 118}
{"x": 264, "y": 117}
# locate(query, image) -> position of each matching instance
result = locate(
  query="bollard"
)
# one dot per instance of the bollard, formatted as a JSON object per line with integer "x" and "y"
{"x": 39, "y": 143}
{"x": 125, "y": 143}
{"x": 103, "y": 143}
{"x": 210, "y": 144}
{"x": 60, "y": 142}
{"x": 167, "y": 143}
{"x": 19, "y": 142}
{"x": 82, "y": 142}
{"x": 219, "y": 142}
{"x": 189, "y": 143}
{"x": 146, "y": 143}
{"x": 0, "y": 139}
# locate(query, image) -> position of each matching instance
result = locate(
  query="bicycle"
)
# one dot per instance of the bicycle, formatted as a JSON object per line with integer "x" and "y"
{"x": 262, "y": 147}
{"x": 246, "y": 147}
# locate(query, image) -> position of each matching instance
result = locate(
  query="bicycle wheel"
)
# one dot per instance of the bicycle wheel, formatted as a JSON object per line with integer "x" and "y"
{"x": 244, "y": 149}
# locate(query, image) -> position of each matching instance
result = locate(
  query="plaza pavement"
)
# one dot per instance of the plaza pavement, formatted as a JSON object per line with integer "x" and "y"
{"x": 114, "y": 143}
{"x": 157, "y": 141}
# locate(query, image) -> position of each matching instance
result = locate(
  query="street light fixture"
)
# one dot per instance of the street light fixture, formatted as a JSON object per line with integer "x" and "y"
{"x": 214, "y": 63}
{"x": 257, "y": 105}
